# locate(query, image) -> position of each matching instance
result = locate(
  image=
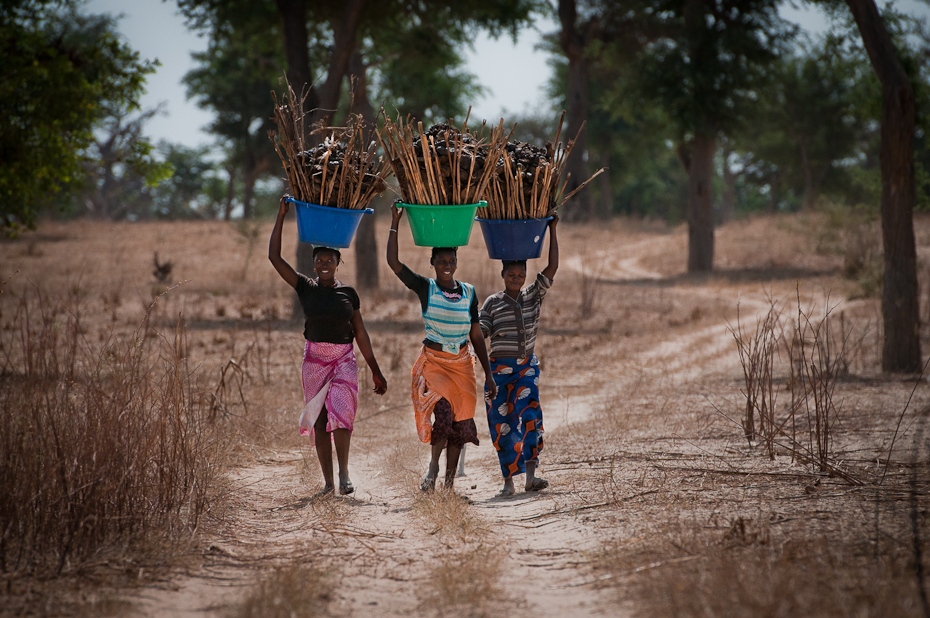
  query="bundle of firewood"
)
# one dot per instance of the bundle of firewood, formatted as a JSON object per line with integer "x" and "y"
{"x": 443, "y": 164}
{"x": 329, "y": 166}
{"x": 529, "y": 182}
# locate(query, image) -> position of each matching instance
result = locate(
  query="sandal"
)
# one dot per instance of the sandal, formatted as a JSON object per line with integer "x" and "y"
{"x": 538, "y": 484}
{"x": 428, "y": 484}
{"x": 346, "y": 488}
{"x": 326, "y": 491}
{"x": 505, "y": 493}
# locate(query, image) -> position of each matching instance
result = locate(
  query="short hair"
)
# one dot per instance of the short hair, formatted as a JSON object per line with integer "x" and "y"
{"x": 318, "y": 249}
{"x": 508, "y": 263}
{"x": 437, "y": 250}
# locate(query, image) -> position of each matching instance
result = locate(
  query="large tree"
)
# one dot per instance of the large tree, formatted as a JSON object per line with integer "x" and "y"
{"x": 703, "y": 71}
{"x": 323, "y": 41}
{"x": 62, "y": 74}
{"x": 577, "y": 31}
{"x": 120, "y": 167}
{"x": 900, "y": 307}
{"x": 812, "y": 120}
{"x": 234, "y": 77}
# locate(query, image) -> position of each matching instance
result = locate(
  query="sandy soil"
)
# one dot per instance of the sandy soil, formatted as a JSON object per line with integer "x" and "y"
{"x": 650, "y": 474}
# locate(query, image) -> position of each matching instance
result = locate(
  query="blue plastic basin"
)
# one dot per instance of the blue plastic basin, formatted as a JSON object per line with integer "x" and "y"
{"x": 327, "y": 226}
{"x": 514, "y": 239}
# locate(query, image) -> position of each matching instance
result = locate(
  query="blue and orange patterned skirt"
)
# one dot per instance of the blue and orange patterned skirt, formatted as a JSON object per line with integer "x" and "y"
{"x": 515, "y": 416}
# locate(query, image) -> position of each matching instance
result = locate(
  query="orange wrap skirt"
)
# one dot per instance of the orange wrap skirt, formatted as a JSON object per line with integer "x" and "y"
{"x": 440, "y": 375}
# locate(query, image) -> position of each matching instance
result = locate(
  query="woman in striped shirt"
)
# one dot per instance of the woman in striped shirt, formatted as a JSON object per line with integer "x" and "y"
{"x": 510, "y": 319}
{"x": 443, "y": 377}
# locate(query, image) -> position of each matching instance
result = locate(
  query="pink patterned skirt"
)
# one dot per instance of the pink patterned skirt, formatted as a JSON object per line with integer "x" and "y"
{"x": 330, "y": 378}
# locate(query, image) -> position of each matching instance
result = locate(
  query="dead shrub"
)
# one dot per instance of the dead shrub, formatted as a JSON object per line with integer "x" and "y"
{"x": 102, "y": 445}
{"x": 449, "y": 514}
{"x": 757, "y": 355}
{"x": 761, "y": 580}
{"x": 296, "y": 590}
{"x": 817, "y": 358}
{"x": 465, "y": 583}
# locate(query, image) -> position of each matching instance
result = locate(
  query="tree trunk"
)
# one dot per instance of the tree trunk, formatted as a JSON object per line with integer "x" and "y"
{"x": 900, "y": 307}
{"x": 810, "y": 195}
{"x": 700, "y": 203}
{"x": 366, "y": 241}
{"x": 606, "y": 196}
{"x": 728, "y": 199}
{"x": 700, "y": 210}
{"x": 579, "y": 104}
{"x": 345, "y": 33}
{"x": 293, "y": 15}
{"x": 230, "y": 192}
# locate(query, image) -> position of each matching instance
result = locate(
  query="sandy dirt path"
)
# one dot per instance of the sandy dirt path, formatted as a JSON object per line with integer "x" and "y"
{"x": 384, "y": 548}
{"x": 386, "y": 551}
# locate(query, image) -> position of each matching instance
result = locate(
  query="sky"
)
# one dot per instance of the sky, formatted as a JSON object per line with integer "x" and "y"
{"x": 156, "y": 30}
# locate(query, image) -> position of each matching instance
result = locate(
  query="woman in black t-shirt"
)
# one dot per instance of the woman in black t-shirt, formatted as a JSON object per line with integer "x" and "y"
{"x": 332, "y": 321}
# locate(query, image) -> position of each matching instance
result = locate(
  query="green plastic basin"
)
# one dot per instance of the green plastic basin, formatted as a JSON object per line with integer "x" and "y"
{"x": 441, "y": 225}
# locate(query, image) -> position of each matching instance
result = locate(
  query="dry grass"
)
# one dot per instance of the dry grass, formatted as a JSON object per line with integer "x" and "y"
{"x": 296, "y": 590}
{"x": 449, "y": 515}
{"x": 743, "y": 571}
{"x": 642, "y": 458}
{"x": 105, "y": 444}
{"x": 466, "y": 582}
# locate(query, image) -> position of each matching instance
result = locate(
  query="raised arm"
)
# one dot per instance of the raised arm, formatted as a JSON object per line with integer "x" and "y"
{"x": 553, "y": 264}
{"x": 481, "y": 351}
{"x": 274, "y": 246}
{"x": 392, "y": 259}
{"x": 363, "y": 341}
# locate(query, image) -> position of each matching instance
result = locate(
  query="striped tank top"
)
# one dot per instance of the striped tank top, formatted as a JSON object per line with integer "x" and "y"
{"x": 448, "y": 321}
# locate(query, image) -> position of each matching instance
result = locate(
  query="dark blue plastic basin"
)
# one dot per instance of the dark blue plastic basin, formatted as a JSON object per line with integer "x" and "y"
{"x": 327, "y": 226}
{"x": 514, "y": 239}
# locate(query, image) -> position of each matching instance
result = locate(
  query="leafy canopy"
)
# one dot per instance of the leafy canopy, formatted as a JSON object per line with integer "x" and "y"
{"x": 62, "y": 72}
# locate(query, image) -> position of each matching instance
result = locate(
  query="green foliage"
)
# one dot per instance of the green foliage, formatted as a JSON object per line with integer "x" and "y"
{"x": 420, "y": 72}
{"x": 62, "y": 73}
{"x": 703, "y": 70}
{"x": 193, "y": 189}
{"x": 234, "y": 78}
{"x": 812, "y": 121}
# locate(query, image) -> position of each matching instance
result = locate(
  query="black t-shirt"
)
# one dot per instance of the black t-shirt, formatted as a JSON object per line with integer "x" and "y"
{"x": 327, "y": 311}
{"x": 420, "y": 285}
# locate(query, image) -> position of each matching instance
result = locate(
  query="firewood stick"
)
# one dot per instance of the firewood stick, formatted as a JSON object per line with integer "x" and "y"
{"x": 434, "y": 159}
{"x": 582, "y": 185}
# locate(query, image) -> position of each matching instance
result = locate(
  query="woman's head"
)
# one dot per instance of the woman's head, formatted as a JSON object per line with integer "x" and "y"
{"x": 444, "y": 260}
{"x": 514, "y": 275}
{"x": 325, "y": 262}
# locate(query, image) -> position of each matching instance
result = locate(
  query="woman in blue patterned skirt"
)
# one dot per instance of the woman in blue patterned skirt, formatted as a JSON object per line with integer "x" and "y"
{"x": 510, "y": 319}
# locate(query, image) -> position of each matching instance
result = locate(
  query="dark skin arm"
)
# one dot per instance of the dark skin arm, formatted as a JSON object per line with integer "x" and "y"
{"x": 392, "y": 259}
{"x": 553, "y": 264}
{"x": 481, "y": 351}
{"x": 364, "y": 345}
{"x": 274, "y": 246}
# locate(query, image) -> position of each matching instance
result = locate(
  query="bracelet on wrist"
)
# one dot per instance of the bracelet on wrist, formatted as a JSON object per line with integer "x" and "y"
{"x": 392, "y": 230}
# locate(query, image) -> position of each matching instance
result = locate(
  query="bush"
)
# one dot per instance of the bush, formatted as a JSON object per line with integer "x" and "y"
{"x": 101, "y": 445}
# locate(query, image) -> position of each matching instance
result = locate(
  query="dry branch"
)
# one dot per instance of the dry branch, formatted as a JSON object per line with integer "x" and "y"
{"x": 341, "y": 170}
{"x": 530, "y": 182}
{"x": 442, "y": 164}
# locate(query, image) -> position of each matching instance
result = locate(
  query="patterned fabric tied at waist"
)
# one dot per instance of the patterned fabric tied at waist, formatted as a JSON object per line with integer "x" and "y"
{"x": 440, "y": 375}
